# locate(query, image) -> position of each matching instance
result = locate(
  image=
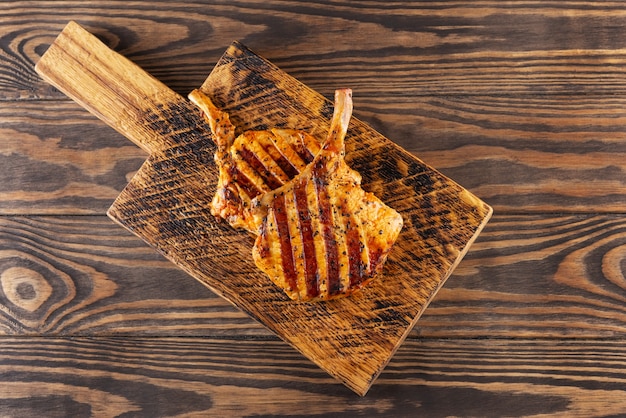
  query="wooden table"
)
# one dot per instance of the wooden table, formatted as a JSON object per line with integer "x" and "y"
{"x": 522, "y": 103}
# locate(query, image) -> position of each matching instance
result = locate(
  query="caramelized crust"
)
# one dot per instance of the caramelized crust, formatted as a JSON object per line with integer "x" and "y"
{"x": 252, "y": 163}
{"x": 320, "y": 236}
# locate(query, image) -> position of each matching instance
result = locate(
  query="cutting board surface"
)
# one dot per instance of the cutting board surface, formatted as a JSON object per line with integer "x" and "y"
{"x": 167, "y": 202}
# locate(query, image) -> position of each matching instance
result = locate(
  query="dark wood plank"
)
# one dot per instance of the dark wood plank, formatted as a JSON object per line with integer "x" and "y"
{"x": 158, "y": 377}
{"x": 86, "y": 275}
{"x": 380, "y": 49}
{"x": 537, "y": 276}
{"x": 56, "y": 158}
{"x": 166, "y": 203}
{"x": 531, "y": 154}
{"x": 520, "y": 102}
{"x": 520, "y": 154}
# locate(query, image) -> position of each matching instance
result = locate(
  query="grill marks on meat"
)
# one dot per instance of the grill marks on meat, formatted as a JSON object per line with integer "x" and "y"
{"x": 319, "y": 234}
{"x": 305, "y": 228}
{"x": 271, "y": 158}
{"x": 252, "y": 163}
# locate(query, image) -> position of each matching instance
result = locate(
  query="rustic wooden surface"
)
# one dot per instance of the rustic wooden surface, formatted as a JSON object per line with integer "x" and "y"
{"x": 167, "y": 203}
{"x": 520, "y": 102}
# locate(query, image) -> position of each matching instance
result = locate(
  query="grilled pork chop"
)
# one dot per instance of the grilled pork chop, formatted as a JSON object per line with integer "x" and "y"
{"x": 252, "y": 163}
{"x": 320, "y": 235}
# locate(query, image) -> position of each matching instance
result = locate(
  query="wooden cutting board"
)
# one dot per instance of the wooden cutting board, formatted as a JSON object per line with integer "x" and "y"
{"x": 167, "y": 202}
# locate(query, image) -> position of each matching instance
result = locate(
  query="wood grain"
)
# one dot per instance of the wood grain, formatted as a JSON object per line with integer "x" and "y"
{"x": 541, "y": 154}
{"x": 521, "y": 272}
{"x": 166, "y": 202}
{"x": 59, "y": 159}
{"x": 520, "y": 102}
{"x": 85, "y": 275}
{"x": 237, "y": 378}
{"x": 112, "y": 88}
{"x": 538, "y": 276}
{"x": 423, "y": 48}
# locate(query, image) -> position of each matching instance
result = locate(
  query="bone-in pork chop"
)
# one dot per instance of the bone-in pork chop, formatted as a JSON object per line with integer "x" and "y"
{"x": 321, "y": 236}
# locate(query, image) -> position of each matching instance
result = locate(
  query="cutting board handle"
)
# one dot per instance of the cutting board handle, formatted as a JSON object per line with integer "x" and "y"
{"x": 107, "y": 84}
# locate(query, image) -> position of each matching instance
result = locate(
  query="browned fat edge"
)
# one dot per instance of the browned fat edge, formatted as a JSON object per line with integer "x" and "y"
{"x": 286, "y": 251}
{"x": 332, "y": 261}
{"x": 306, "y": 232}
